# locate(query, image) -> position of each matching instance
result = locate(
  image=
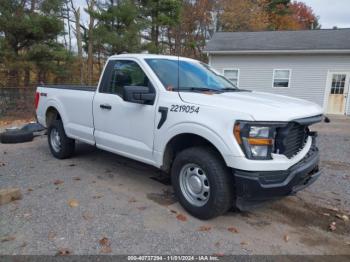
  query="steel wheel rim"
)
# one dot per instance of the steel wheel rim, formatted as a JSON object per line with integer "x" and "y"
{"x": 194, "y": 185}
{"x": 55, "y": 140}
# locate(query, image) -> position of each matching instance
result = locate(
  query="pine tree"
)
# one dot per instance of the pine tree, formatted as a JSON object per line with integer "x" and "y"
{"x": 29, "y": 28}
{"x": 159, "y": 16}
{"x": 118, "y": 28}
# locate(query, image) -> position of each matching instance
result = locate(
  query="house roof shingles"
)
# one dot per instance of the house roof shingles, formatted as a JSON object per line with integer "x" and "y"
{"x": 338, "y": 39}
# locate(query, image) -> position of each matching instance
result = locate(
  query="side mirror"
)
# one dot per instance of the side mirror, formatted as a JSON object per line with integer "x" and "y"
{"x": 138, "y": 95}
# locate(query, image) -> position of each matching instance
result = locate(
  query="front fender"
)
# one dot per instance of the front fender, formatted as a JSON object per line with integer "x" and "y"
{"x": 190, "y": 128}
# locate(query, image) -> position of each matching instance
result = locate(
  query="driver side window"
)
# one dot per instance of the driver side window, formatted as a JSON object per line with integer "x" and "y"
{"x": 124, "y": 73}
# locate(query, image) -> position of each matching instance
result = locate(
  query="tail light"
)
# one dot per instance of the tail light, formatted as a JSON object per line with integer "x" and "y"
{"x": 36, "y": 101}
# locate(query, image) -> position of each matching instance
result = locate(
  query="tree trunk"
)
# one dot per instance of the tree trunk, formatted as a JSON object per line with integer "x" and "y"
{"x": 27, "y": 77}
{"x": 79, "y": 44}
{"x": 90, "y": 61}
{"x": 13, "y": 78}
{"x": 40, "y": 77}
{"x": 69, "y": 30}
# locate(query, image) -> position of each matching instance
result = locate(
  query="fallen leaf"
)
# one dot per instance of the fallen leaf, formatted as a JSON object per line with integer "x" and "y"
{"x": 173, "y": 211}
{"x": 181, "y": 217}
{"x": 342, "y": 217}
{"x": 76, "y": 178}
{"x": 73, "y": 203}
{"x": 105, "y": 245}
{"x": 8, "y": 238}
{"x": 141, "y": 208}
{"x": 30, "y": 189}
{"x": 63, "y": 252}
{"x": 204, "y": 228}
{"x": 87, "y": 215}
{"x": 233, "y": 230}
{"x": 244, "y": 243}
{"x": 104, "y": 241}
{"x": 332, "y": 226}
{"x": 8, "y": 195}
{"x": 52, "y": 235}
{"x": 132, "y": 200}
{"x": 58, "y": 182}
{"x": 286, "y": 238}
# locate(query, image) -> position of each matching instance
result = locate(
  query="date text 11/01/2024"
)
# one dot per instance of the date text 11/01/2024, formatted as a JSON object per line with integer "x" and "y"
{"x": 173, "y": 258}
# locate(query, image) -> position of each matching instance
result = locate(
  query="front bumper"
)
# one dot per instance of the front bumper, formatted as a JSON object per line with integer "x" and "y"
{"x": 254, "y": 187}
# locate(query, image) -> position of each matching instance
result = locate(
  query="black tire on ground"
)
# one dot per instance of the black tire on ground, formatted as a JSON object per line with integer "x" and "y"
{"x": 67, "y": 145}
{"x": 16, "y": 136}
{"x": 221, "y": 182}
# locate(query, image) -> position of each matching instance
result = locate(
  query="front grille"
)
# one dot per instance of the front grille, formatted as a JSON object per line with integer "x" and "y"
{"x": 291, "y": 139}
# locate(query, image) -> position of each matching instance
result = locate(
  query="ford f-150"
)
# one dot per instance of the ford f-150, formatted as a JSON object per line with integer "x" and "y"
{"x": 222, "y": 146}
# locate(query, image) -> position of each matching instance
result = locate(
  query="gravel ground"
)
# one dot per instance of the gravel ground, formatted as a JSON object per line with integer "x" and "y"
{"x": 118, "y": 199}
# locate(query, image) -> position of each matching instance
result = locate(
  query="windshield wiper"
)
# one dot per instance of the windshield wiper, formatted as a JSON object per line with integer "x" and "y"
{"x": 198, "y": 89}
{"x": 229, "y": 89}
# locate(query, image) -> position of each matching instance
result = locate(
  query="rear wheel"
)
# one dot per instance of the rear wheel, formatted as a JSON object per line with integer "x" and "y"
{"x": 202, "y": 182}
{"x": 60, "y": 145}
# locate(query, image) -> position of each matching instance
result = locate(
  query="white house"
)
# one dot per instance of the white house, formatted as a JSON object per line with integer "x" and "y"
{"x": 313, "y": 64}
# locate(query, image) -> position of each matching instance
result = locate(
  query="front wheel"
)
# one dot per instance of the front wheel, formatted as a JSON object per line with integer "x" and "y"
{"x": 202, "y": 182}
{"x": 60, "y": 145}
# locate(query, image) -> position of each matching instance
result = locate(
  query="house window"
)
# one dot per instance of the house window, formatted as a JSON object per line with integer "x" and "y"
{"x": 338, "y": 84}
{"x": 281, "y": 77}
{"x": 232, "y": 75}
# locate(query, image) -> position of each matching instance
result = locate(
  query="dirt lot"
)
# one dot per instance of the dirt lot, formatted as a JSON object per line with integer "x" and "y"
{"x": 98, "y": 202}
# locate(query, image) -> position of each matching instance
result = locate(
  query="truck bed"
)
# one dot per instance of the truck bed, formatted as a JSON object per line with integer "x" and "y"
{"x": 72, "y": 87}
{"x": 75, "y": 104}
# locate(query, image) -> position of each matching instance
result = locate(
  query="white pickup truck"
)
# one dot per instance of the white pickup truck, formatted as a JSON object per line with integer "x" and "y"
{"x": 222, "y": 146}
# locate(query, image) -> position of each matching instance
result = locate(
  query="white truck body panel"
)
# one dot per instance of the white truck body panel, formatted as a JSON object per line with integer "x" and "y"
{"x": 130, "y": 129}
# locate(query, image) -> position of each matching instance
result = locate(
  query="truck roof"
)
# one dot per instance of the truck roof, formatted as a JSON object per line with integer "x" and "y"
{"x": 145, "y": 56}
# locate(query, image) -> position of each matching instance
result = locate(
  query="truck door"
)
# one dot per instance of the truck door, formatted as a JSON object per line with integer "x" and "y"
{"x": 123, "y": 127}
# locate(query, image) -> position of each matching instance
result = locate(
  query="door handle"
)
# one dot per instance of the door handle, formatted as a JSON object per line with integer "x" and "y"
{"x": 106, "y": 106}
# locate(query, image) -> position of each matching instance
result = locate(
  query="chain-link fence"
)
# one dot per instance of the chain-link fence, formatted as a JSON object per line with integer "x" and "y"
{"x": 17, "y": 102}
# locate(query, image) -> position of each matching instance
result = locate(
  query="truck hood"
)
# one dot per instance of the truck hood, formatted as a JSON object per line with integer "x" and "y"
{"x": 260, "y": 106}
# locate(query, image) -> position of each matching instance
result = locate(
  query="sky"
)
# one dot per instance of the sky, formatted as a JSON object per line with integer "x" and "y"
{"x": 331, "y": 12}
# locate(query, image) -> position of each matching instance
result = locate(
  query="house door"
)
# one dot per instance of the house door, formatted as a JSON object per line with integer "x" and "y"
{"x": 339, "y": 88}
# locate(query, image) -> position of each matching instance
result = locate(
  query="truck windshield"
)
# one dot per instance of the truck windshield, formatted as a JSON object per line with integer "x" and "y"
{"x": 193, "y": 76}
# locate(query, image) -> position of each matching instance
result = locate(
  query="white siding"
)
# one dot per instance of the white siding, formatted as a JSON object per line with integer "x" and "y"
{"x": 308, "y": 76}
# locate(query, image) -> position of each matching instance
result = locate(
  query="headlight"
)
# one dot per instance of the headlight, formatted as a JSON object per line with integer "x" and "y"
{"x": 259, "y": 131}
{"x": 256, "y": 139}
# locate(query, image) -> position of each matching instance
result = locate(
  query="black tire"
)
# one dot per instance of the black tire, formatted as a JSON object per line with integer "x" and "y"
{"x": 67, "y": 145}
{"x": 221, "y": 197}
{"x": 16, "y": 136}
